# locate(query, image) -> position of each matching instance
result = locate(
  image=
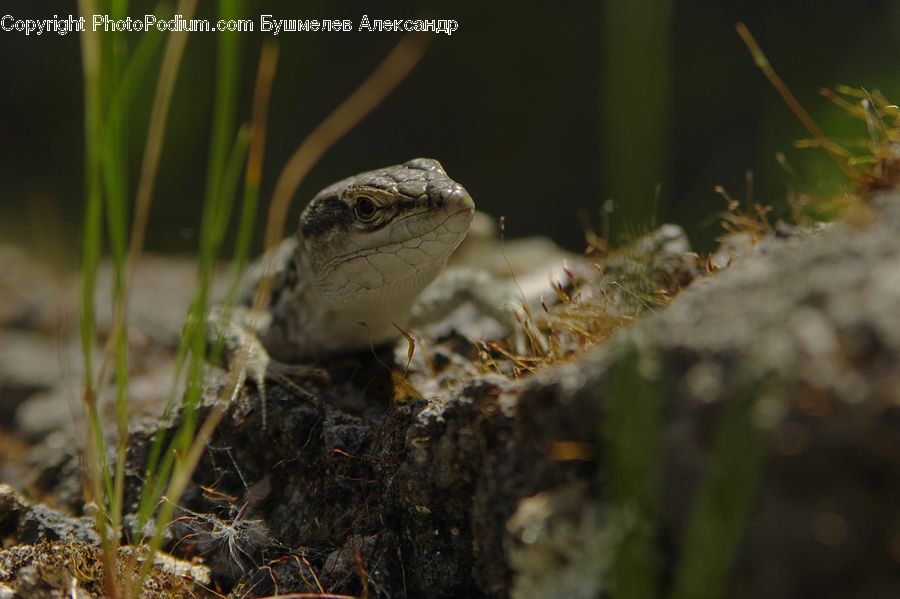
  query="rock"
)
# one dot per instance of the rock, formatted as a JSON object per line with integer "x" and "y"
{"x": 41, "y": 364}
{"x": 54, "y": 555}
{"x": 163, "y": 289}
{"x": 32, "y": 524}
{"x": 742, "y": 440}
{"x": 31, "y": 294}
{"x": 511, "y": 488}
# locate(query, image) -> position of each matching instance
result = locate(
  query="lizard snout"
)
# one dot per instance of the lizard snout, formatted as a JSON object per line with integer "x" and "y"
{"x": 452, "y": 199}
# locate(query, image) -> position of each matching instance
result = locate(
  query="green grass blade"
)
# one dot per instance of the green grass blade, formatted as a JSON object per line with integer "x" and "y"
{"x": 268, "y": 62}
{"x": 228, "y": 71}
{"x": 633, "y": 433}
{"x": 222, "y": 178}
{"x": 723, "y": 501}
{"x": 100, "y": 483}
{"x": 115, "y": 171}
{"x": 637, "y": 53}
{"x": 180, "y": 460}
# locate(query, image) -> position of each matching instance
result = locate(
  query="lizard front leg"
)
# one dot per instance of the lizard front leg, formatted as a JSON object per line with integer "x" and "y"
{"x": 493, "y": 297}
{"x": 233, "y": 335}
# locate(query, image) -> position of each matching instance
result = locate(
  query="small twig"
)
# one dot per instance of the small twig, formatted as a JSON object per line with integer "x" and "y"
{"x": 760, "y": 60}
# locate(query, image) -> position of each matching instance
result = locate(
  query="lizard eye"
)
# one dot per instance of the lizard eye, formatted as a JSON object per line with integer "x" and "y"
{"x": 365, "y": 208}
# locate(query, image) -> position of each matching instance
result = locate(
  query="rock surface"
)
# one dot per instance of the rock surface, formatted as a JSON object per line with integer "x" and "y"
{"x": 508, "y": 487}
{"x": 55, "y": 555}
{"x": 753, "y": 422}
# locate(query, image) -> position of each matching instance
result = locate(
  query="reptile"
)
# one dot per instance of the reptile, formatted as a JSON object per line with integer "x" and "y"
{"x": 367, "y": 261}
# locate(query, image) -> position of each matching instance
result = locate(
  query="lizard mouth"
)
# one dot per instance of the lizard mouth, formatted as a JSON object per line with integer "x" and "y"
{"x": 456, "y": 208}
{"x": 464, "y": 215}
{"x": 437, "y": 240}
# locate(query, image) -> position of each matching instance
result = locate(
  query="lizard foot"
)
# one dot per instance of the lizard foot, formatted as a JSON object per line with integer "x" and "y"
{"x": 263, "y": 371}
{"x": 290, "y": 376}
{"x": 236, "y": 332}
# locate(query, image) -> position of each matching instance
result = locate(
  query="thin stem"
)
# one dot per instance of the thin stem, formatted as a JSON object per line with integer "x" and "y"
{"x": 760, "y": 60}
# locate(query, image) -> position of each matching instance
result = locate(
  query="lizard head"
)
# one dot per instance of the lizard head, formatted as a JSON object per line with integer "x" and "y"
{"x": 387, "y": 231}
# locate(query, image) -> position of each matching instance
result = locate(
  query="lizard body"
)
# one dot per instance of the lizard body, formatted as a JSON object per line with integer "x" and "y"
{"x": 363, "y": 262}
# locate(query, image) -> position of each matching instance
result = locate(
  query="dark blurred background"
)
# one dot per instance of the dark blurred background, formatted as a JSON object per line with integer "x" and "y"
{"x": 543, "y": 110}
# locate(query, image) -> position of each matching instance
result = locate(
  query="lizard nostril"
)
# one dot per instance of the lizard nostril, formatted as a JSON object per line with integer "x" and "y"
{"x": 450, "y": 198}
{"x": 437, "y": 198}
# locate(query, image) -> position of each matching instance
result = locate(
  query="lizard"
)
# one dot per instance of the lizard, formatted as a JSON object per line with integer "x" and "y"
{"x": 366, "y": 262}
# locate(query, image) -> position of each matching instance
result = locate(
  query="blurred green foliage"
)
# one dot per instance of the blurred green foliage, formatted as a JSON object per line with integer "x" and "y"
{"x": 543, "y": 110}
